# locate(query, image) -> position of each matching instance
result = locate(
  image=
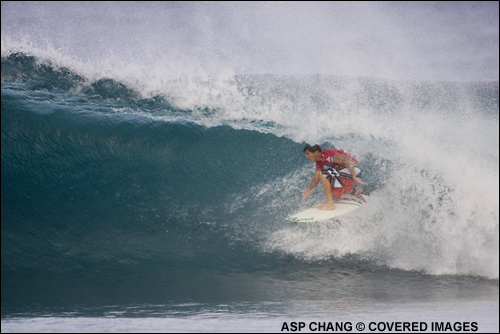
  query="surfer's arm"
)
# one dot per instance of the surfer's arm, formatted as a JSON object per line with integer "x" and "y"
{"x": 312, "y": 185}
{"x": 350, "y": 164}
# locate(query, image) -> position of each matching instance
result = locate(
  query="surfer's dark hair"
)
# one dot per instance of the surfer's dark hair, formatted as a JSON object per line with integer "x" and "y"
{"x": 312, "y": 149}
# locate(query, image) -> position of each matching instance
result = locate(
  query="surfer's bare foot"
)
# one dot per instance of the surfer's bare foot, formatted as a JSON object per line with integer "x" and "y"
{"x": 358, "y": 191}
{"x": 326, "y": 206}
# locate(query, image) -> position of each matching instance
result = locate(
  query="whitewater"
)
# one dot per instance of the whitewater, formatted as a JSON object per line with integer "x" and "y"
{"x": 145, "y": 184}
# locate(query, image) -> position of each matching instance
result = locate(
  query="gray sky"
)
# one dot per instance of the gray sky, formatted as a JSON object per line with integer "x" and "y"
{"x": 396, "y": 40}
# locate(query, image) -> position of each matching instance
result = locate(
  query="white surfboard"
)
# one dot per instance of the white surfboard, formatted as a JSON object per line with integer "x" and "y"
{"x": 346, "y": 204}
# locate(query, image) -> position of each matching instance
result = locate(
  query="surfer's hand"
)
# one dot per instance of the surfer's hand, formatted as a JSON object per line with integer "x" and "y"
{"x": 358, "y": 180}
{"x": 307, "y": 193}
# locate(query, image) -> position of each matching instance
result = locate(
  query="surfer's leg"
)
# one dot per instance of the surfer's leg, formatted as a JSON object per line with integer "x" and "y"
{"x": 346, "y": 189}
{"x": 329, "y": 204}
{"x": 348, "y": 183}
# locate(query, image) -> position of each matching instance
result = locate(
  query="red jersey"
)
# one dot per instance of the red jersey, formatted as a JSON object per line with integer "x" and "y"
{"x": 327, "y": 159}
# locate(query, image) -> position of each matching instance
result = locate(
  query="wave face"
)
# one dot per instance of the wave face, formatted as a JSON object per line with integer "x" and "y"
{"x": 110, "y": 179}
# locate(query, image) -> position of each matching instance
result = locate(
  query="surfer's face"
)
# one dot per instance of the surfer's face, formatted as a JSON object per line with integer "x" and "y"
{"x": 312, "y": 156}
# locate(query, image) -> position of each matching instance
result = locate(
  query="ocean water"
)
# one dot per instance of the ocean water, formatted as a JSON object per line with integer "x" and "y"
{"x": 136, "y": 198}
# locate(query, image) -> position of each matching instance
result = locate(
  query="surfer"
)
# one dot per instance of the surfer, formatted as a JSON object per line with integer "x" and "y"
{"x": 337, "y": 171}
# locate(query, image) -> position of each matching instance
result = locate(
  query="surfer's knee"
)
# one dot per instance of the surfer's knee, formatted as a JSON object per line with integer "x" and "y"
{"x": 320, "y": 175}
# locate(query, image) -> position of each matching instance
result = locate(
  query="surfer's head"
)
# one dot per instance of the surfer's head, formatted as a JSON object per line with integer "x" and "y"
{"x": 313, "y": 153}
{"x": 312, "y": 149}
